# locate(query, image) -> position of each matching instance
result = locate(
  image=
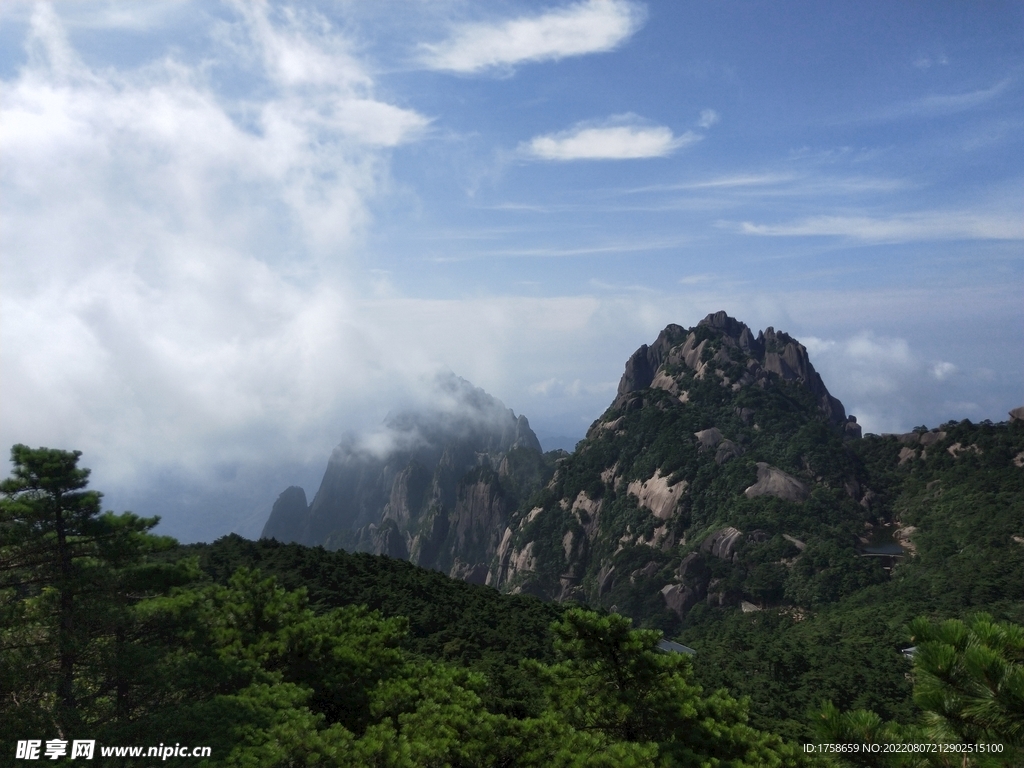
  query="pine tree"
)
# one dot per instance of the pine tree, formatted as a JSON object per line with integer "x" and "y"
{"x": 67, "y": 574}
{"x": 969, "y": 679}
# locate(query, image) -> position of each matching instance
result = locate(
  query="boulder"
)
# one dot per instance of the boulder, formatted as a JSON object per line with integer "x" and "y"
{"x": 709, "y": 438}
{"x": 772, "y": 481}
{"x": 727, "y": 449}
{"x": 745, "y": 414}
{"x": 722, "y": 542}
{"x": 852, "y": 430}
{"x": 906, "y": 454}
{"x": 930, "y": 438}
{"x": 1017, "y": 415}
{"x": 647, "y": 572}
{"x": 692, "y": 567}
{"x": 680, "y": 598}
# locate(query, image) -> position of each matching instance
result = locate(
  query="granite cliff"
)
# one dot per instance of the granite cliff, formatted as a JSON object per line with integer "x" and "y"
{"x": 720, "y": 444}
{"x": 433, "y": 486}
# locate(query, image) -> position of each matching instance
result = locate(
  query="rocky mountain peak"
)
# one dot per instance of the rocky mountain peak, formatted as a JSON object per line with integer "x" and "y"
{"x": 433, "y": 484}
{"x": 724, "y": 347}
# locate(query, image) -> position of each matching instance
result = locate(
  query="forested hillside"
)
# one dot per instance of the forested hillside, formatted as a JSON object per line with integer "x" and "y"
{"x": 726, "y": 498}
{"x": 114, "y": 637}
{"x": 119, "y": 639}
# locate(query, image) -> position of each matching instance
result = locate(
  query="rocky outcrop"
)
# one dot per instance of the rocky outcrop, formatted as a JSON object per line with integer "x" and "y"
{"x": 852, "y": 430}
{"x": 903, "y": 535}
{"x": 722, "y": 543}
{"x": 287, "y": 515}
{"x": 772, "y": 481}
{"x": 433, "y": 486}
{"x": 657, "y": 495}
{"x": 1017, "y": 415}
{"x": 680, "y": 598}
{"x": 770, "y": 355}
{"x": 956, "y": 449}
{"x": 645, "y": 362}
{"x": 711, "y": 440}
{"x": 472, "y": 573}
{"x": 708, "y": 439}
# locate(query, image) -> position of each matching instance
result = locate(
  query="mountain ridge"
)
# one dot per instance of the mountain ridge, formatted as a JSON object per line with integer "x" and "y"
{"x": 426, "y": 487}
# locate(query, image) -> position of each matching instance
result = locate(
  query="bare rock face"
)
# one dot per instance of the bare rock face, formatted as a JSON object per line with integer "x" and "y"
{"x": 727, "y": 449}
{"x": 931, "y": 438}
{"x": 692, "y": 567}
{"x": 680, "y": 598}
{"x": 426, "y": 487}
{"x": 287, "y": 515}
{"x": 722, "y": 542}
{"x": 772, "y": 481}
{"x": 852, "y": 430}
{"x": 469, "y": 572}
{"x": 1017, "y": 415}
{"x": 770, "y": 355}
{"x": 709, "y": 438}
{"x": 657, "y": 495}
{"x": 644, "y": 363}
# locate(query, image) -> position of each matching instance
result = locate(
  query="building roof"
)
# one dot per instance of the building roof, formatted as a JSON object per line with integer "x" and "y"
{"x": 669, "y": 647}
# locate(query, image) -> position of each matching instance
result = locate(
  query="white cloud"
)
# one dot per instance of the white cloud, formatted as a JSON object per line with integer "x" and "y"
{"x": 162, "y": 240}
{"x": 708, "y": 117}
{"x": 105, "y": 14}
{"x": 592, "y": 26}
{"x": 817, "y": 346}
{"x": 886, "y": 381}
{"x": 623, "y": 137}
{"x": 930, "y": 225}
{"x": 557, "y": 388}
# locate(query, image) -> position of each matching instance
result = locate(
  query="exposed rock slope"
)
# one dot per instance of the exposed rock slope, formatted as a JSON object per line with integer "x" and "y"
{"x": 716, "y": 442}
{"x": 432, "y": 487}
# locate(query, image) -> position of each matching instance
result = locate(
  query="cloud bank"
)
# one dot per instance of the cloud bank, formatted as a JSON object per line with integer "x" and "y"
{"x": 173, "y": 257}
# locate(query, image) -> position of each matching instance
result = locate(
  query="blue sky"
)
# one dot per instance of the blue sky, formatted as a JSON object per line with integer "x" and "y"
{"x": 233, "y": 231}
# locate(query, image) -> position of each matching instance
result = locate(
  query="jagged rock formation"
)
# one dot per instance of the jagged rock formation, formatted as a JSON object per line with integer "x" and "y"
{"x": 705, "y": 421}
{"x": 724, "y": 476}
{"x": 433, "y": 487}
{"x": 770, "y": 353}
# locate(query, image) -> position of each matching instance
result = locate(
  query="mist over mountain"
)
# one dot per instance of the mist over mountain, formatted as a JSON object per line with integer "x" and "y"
{"x": 444, "y": 485}
{"x": 433, "y": 485}
{"x": 723, "y": 475}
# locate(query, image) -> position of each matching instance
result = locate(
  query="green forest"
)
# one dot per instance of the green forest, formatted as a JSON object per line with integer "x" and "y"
{"x": 281, "y": 655}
